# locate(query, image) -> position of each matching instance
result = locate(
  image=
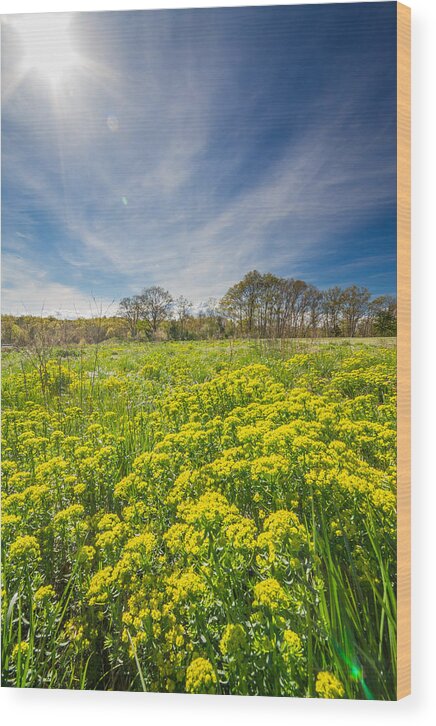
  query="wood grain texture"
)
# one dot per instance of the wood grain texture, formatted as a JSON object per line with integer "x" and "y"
{"x": 403, "y": 295}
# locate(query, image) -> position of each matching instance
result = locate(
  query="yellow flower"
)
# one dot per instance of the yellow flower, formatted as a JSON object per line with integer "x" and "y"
{"x": 282, "y": 530}
{"x": 184, "y": 539}
{"x": 234, "y": 641}
{"x": 98, "y": 591}
{"x": 22, "y": 648}
{"x": 10, "y": 523}
{"x": 384, "y": 500}
{"x": 241, "y": 534}
{"x": 25, "y": 549}
{"x": 86, "y": 554}
{"x": 292, "y": 647}
{"x": 284, "y": 527}
{"x": 269, "y": 466}
{"x": 210, "y": 508}
{"x": 142, "y": 543}
{"x": 74, "y": 632}
{"x": 201, "y": 677}
{"x": 110, "y": 537}
{"x": 270, "y": 594}
{"x": 182, "y": 586}
{"x": 71, "y": 515}
{"x": 108, "y": 521}
{"x": 44, "y": 593}
{"x": 328, "y": 686}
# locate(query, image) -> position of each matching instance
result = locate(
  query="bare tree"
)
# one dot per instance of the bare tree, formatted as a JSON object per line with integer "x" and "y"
{"x": 183, "y": 310}
{"x": 156, "y": 305}
{"x": 331, "y": 306}
{"x": 354, "y": 306}
{"x": 313, "y": 299}
{"x": 235, "y": 307}
{"x": 130, "y": 310}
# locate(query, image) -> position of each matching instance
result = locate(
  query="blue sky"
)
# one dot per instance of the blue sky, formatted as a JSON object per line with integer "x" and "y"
{"x": 184, "y": 148}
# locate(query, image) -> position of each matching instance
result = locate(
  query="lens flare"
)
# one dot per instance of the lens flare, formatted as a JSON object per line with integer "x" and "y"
{"x": 112, "y": 123}
{"x": 356, "y": 672}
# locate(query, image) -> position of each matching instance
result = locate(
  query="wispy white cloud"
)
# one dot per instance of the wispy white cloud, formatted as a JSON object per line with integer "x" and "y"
{"x": 28, "y": 290}
{"x": 309, "y": 190}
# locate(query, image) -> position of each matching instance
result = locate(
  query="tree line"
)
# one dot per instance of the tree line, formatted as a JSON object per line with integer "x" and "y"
{"x": 258, "y": 306}
{"x": 266, "y": 306}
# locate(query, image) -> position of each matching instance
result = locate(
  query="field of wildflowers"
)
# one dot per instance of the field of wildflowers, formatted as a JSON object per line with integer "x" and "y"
{"x": 208, "y": 517}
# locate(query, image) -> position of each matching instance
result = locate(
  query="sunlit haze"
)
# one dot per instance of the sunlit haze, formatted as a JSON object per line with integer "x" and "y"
{"x": 48, "y": 47}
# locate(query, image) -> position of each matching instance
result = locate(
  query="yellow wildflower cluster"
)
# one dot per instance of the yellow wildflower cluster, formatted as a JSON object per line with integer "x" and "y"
{"x": 200, "y": 677}
{"x": 328, "y": 686}
{"x": 234, "y": 642}
{"x": 270, "y": 594}
{"x": 44, "y": 594}
{"x": 292, "y": 646}
{"x": 25, "y": 549}
{"x": 202, "y": 518}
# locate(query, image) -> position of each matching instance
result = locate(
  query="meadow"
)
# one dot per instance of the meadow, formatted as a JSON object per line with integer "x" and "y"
{"x": 201, "y": 517}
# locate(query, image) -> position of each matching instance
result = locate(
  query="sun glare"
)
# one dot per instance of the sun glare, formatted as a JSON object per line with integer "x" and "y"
{"x": 48, "y": 46}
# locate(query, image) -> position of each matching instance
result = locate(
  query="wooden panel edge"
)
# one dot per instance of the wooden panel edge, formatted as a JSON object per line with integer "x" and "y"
{"x": 404, "y": 352}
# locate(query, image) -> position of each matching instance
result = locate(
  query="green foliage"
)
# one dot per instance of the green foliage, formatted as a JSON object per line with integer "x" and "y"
{"x": 211, "y": 517}
{"x": 385, "y": 323}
